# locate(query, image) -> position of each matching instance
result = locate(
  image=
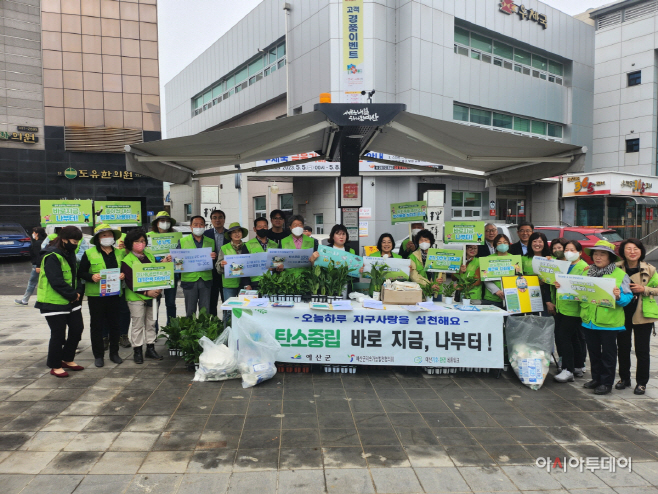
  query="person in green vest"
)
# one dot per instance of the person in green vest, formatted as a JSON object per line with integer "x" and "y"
{"x": 163, "y": 223}
{"x": 140, "y": 303}
{"x": 538, "y": 246}
{"x": 568, "y": 332}
{"x": 260, "y": 244}
{"x": 385, "y": 246}
{"x": 493, "y": 291}
{"x": 80, "y": 249}
{"x": 197, "y": 285}
{"x": 602, "y": 324}
{"x": 103, "y": 310}
{"x": 235, "y": 246}
{"x": 59, "y": 298}
{"x": 424, "y": 239}
{"x": 408, "y": 246}
{"x": 470, "y": 271}
{"x": 297, "y": 240}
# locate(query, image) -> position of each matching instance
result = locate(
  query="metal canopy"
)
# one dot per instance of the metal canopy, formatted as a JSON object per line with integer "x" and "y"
{"x": 341, "y": 132}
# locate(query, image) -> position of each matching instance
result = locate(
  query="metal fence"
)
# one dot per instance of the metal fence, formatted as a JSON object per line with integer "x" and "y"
{"x": 650, "y": 240}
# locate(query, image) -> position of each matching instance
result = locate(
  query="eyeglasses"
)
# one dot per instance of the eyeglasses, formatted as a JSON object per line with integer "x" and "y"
{"x": 525, "y": 231}
{"x": 491, "y": 231}
{"x": 277, "y": 218}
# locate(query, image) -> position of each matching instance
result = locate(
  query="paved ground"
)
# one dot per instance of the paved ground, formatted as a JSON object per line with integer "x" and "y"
{"x": 147, "y": 428}
{"x": 14, "y": 273}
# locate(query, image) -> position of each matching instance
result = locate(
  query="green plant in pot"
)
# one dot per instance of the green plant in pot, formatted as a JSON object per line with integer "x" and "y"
{"x": 377, "y": 277}
{"x": 448, "y": 290}
{"x": 465, "y": 285}
{"x": 196, "y": 327}
{"x": 431, "y": 290}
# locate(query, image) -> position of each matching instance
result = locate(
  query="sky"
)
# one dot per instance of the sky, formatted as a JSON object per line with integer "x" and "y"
{"x": 188, "y": 27}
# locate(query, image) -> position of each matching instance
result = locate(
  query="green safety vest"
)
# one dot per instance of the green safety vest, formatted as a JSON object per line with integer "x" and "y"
{"x": 228, "y": 250}
{"x": 97, "y": 264}
{"x": 605, "y": 317}
{"x": 526, "y": 265}
{"x": 129, "y": 260}
{"x": 53, "y": 236}
{"x": 419, "y": 265}
{"x": 253, "y": 246}
{"x": 571, "y": 307}
{"x": 379, "y": 254}
{"x": 47, "y": 293}
{"x": 472, "y": 269}
{"x": 289, "y": 243}
{"x": 188, "y": 243}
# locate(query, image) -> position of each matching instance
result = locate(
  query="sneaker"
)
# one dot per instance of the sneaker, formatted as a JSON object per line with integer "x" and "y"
{"x": 584, "y": 369}
{"x": 564, "y": 377}
{"x": 578, "y": 372}
{"x": 20, "y": 301}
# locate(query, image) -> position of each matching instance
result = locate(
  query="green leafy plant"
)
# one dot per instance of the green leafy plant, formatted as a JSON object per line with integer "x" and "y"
{"x": 465, "y": 284}
{"x": 448, "y": 289}
{"x": 192, "y": 329}
{"x": 377, "y": 277}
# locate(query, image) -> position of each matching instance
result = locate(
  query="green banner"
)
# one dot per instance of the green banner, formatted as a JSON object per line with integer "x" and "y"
{"x": 152, "y": 276}
{"x": 596, "y": 291}
{"x": 464, "y": 232}
{"x": 496, "y": 267}
{"x": 408, "y": 212}
{"x": 444, "y": 260}
{"x": 62, "y": 213}
{"x": 127, "y": 213}
{"x": 161, "y": 243}
{"x": 546, "y": 269}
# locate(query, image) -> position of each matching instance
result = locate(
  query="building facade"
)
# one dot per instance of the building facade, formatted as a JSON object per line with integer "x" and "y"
{"x": 80, "y": 80}
{"x": 498, "y": 65}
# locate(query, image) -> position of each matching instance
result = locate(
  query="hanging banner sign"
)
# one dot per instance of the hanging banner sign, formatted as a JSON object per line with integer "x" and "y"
{"x": 353, "y": 49}
{"x": 496, "y": 267}
{"x": 444, "y": 260}
{"x": 63, "y": 213}
{"x": 522, "y": 294}
{"x": 127, "y": 213}
{"x": 464, "y": 232}
{"x": 546, "y": 269}
{"x": 152, "y": 276}
{"x": 596, "y": 291}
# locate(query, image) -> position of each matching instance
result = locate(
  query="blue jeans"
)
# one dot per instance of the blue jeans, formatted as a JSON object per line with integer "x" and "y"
{"x": 31, "y": 283}
{"x": 230, "y": 292}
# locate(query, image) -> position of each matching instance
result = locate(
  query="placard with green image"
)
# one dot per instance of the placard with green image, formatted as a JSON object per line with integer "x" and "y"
{"x": 444, "y": 260}
{"x": 596, "y": 291}
{"x": 464, "y": 232}
{"x": 496, "y": 267}
{"x": 126, "y": 213}
{"x": 152, "y": 276}
{"x": 409, "y": 212}
{"x": 546, "y": 269}
{"x": 63, "y": 213}
{"x": 161, "y": 243}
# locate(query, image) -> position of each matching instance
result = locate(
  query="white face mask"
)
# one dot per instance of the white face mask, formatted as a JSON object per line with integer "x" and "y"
{"x": 571, "y": 256}
{"x": 424, "y": 245}
{"x": 198, "y": 231}
{"x": 297, "y": 231}
{"x": 164, "y": 225}
{"x": 107, "y": 242}
{"x": 415, "y": 231}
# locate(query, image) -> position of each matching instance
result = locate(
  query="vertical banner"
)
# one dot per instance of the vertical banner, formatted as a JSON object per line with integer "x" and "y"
{"x": 353, "y": 49}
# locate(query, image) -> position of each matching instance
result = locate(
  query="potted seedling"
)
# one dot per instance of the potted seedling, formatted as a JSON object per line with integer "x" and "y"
{"x": 377, "y": 277}
{"x": 465, "y": 285}
{"x": 448, "y": 291}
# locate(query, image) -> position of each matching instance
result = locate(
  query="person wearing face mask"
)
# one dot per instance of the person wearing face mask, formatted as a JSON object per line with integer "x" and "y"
{"x": 471, "y": 270}
{"x": 163, "y": 223}
{"x": 103, "y": 311}
{"x": 568, "y": 334}
{"x": 640, "y": 315}
{"x": 424, "y": 239}
{"x": 493, "y": 291}
{"x": 259, "y": 244}
{"x": 197, "y": 286}
{"x": 557, "y": 252}
{"x": 59, "y": 299}
{"x": 38, "y": 236}
{"x": 140, "y": 303}
{"x": 234, "y": 246}
{"x": 297, "y": 239}
{"x": 80, "y": 248}
{"x": 408, "y": 246}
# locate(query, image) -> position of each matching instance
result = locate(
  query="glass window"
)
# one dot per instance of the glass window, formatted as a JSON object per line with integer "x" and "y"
{"x": 462, "y": 51}
{"x": 238, "y": 88}
{"x": 503, "y": 50}
{"x": 481, "y": 42}
{"x": 285, "y": 202}
{"x": 456, "y": 213}
{"x": 188, "y": 211}
{"x": 550, "y": 233}
{"x": 267, "y": 72}
{"x": 522, "y": 56}
{"x": 475, "y": 54}
{"x": 272, "y": 57}
{"x": 461, "y": 36}
{"x": 503, "y": 121}
{"x": 517, "y": 68}
{"x": 281, "y": 50}
{"x": 635, "y": 78}
{"x": 610, "y": 236}
{"x": 319, "y": 224}
{"x": 482, "y": 117}
{"x": 555, "y": 130}
{"x": 555, "y": 68}
{"x": 241, "y": 75}
{"x": 539, "y": 62}
{"x": 457, "y": 199}
{"x": 230, "y": 82}
{"x": 542, "y": 76}
{"x": 252, "y": 80}
{"x": 282, "y": 62}
{"x": 260, "y": 207}
{"x": 255, "y": 66}
{"x": 571, "y": 235}
{"x": 538, "y": 127}
{"x": 207, "y": 97}
{"x": 498, "y": 62}
{"x": 216, "y": 91}
{"x": 460, "y": 112}
{"x": 486, "y": 58}
{"x": 198, "y": 102}
{"x": 472, "y": 199}
{"x": 521, "y": 124}
{"x": 273, "y": 68}
{"x": 632, "y": 145}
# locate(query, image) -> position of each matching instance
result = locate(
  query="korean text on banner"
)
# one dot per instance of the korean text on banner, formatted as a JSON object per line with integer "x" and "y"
{"x": 444, "y": 260}
{"x": 62, "y": 213}
{"x": 127, "y": 213}
{"x": 152, "y": 276}
{"x": 289, "y": 258}
{"x": 353, "y": 50}
{"x": 464, "y": 232}
{"x": 522, "y": 294}
{"x": 496, "y": 267}
{"x": 448, "y": 338}
{"x": 192, "y": 260}
{"x": 161, "y": 243}
{"x": 339, "y": 258}
{"x": 408, "y": 212}
{"x": 110, "y": 284}
{"x": 241, "y": 265}
{"x": 546, "y": 269}
{"x": 596, "y": 291}
{"x": 398, "y": 268}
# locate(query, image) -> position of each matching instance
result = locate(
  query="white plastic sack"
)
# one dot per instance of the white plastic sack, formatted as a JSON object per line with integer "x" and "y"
{"x": 529, "y": 347}
{"x": 256, "y": 351}
{"x": 217, "y": 362}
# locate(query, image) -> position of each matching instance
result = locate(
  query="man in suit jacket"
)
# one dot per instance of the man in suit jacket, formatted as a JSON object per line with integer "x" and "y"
{"x": 216, "y": 233}
{"x": 524, "y": 230}
{"x": 490, "y": 232}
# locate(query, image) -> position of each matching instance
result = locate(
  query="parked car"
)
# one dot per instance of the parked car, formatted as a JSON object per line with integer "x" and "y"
{"x": 586, "y": 236}
{"x": 14, "y": 240}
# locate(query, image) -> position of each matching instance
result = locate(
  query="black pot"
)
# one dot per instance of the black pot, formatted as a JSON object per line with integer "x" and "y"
{"x": 191, "y": 367}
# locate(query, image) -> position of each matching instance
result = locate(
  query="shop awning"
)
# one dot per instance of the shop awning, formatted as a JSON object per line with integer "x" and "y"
{"x": 337, "y": 129}
{"x": 645, "y": 201}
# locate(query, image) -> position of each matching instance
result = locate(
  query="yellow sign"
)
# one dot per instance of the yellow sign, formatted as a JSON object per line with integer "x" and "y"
{"x": 370, "y": 249}
{"x": 522, "y": 294}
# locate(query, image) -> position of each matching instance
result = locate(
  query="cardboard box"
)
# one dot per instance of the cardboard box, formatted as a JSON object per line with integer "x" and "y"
{"x": 402, "y": 297}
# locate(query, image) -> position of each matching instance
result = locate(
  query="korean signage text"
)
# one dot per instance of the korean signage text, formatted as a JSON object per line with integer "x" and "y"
{"x": 509, "y": 7}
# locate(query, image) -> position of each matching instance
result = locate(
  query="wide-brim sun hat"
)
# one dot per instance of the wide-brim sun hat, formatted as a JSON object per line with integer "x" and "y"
{"x": 233, "y": 227}
{"x": 605, "y": 246}
{"x": 104, "y": 227}
{"x": 163, "y": 215}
